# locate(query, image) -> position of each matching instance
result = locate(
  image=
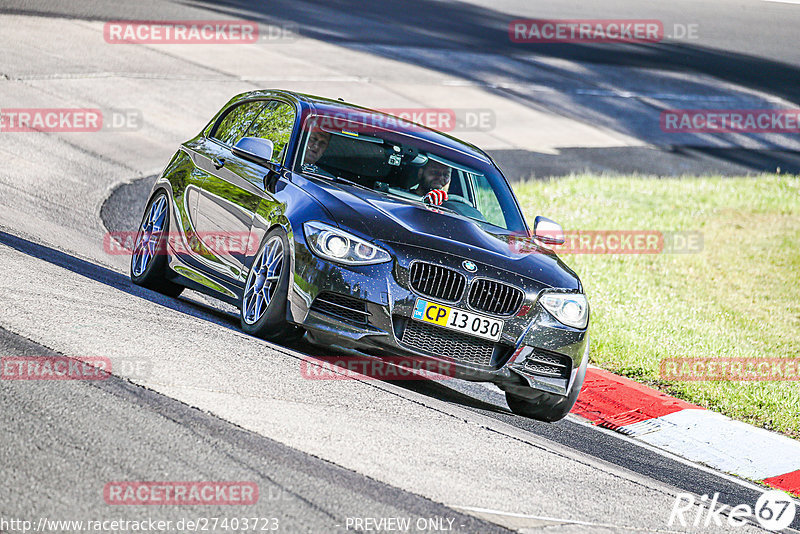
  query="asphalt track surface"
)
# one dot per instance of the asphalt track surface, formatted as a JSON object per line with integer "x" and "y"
{"x": 295, "y": 488}
{"x": 218, "y": 405}
{"x": 739, "y": 42}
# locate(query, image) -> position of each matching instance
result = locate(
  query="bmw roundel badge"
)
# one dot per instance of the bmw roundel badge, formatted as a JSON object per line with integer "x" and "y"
{"x": 468, "y": 265}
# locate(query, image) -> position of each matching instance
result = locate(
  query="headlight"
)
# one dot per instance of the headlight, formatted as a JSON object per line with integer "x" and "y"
{"x": 569, "y": 308}
{"x": 337, "y": 245}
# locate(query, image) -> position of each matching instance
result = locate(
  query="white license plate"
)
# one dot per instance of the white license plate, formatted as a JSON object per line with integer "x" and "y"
{"x": 458, "y": 320}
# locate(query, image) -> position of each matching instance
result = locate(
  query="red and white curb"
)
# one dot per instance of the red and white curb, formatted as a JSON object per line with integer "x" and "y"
{"x": 689, "y": 431}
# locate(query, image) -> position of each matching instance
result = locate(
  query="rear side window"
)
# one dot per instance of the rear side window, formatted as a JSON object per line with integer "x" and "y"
{"x": 237, "y": 121}
{"x": 275, "y": 122}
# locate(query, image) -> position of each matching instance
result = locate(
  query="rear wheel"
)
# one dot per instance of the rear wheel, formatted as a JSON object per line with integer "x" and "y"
{"x": 263, "y": 307}
{"x": 149, "y": 257}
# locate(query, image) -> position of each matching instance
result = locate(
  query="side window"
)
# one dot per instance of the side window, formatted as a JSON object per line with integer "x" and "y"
{"x": 486, "y": 200}
{"x": 236, "y": 122}
{"x": 458, "y": 185}
{"x": 275, "y": 122}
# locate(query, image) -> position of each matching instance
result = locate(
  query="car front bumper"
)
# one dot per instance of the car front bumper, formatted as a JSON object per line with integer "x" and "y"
{"x": 534, "y": 350}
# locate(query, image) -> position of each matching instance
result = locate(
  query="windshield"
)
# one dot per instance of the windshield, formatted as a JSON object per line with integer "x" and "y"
{"x": 406, "y": 168}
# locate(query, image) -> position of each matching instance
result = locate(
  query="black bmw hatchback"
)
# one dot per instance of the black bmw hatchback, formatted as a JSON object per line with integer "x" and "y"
{"x": 361, "y": 230}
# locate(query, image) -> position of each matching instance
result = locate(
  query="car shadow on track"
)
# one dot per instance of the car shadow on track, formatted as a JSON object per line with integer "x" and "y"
{"x": 199, "y": 310}
{"x": 117, "y": 280}
{"x": 439, "y": 390}
{"x": 343, "y": 362}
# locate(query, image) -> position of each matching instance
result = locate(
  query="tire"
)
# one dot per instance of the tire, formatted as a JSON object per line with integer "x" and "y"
{"x": 543, "y": 406}
{"x": 149, "y": 256}
{"x": 540, "y": 410}
{"x": 262, "y": 311}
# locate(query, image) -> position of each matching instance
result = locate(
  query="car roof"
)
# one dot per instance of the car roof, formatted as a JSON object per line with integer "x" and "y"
{"x": 327, "y": 106}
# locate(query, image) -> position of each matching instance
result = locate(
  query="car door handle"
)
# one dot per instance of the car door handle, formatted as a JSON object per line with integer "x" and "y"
{"x": 218, "y": 162}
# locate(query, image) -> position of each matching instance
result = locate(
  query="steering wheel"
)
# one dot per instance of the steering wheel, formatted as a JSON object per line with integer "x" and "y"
{"x": 458, "y": 198}
{"x": 459, "y": 204}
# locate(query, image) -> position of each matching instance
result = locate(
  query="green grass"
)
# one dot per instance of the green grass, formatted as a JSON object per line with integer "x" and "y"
{"x": 738, "y": 297}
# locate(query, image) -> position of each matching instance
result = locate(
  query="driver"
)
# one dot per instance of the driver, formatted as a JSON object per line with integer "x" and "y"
{"x": 434, "y": 181}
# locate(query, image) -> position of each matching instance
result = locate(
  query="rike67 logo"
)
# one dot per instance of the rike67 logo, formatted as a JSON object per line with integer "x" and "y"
{"x": 774, "y": 510}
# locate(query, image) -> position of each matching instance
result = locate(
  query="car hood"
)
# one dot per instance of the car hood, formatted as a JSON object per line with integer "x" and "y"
{"x": 382, "y": 218}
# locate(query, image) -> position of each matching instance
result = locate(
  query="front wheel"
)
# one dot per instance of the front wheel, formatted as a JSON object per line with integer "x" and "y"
{"x": 149, "y": 257}
{"x": 263, "y": 306}
{"x": 543, "y": 406}
{"x": 541, "y": 409}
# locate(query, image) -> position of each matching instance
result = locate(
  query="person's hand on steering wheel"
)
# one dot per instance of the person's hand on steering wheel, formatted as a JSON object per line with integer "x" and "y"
{"x": 435, "y": 197}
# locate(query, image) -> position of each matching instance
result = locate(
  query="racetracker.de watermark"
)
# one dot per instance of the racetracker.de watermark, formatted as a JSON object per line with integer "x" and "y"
{"x": 611, "y": 242}
{"x": 197, "y": 32}
{"x": 730, "y": 121}
{"x": 72, "y": 367}
{"x": 54, "y": 368}
{"x": 548, "y": 31}
{"x": 386, "y": 368}
{"x": 144, "y": 523}
{"x": 217, "y": 243}
{"x": 180, "y": 32}
{"x": 730, "y": 369}
{"x": 447, "y": 119}
{"x": 19, "y": 120}
{"x": 411, "y": 119}
{"x": 586, "y": 31}
{"x": 181, "y": 493}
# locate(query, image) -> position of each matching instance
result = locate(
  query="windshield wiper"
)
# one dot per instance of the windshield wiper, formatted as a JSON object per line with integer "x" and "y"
{"x": 434, "y": 206}
{"x": 350, "y": 182}
{"x": 339, "y": 179}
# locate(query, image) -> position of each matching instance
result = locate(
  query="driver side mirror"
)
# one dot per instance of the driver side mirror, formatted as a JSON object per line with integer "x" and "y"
{"x": 255, "y": 149}
{"x": 547, "y": 231}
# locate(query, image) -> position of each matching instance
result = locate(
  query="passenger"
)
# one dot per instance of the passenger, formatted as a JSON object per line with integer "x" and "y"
{"x": 318, "y": 141}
